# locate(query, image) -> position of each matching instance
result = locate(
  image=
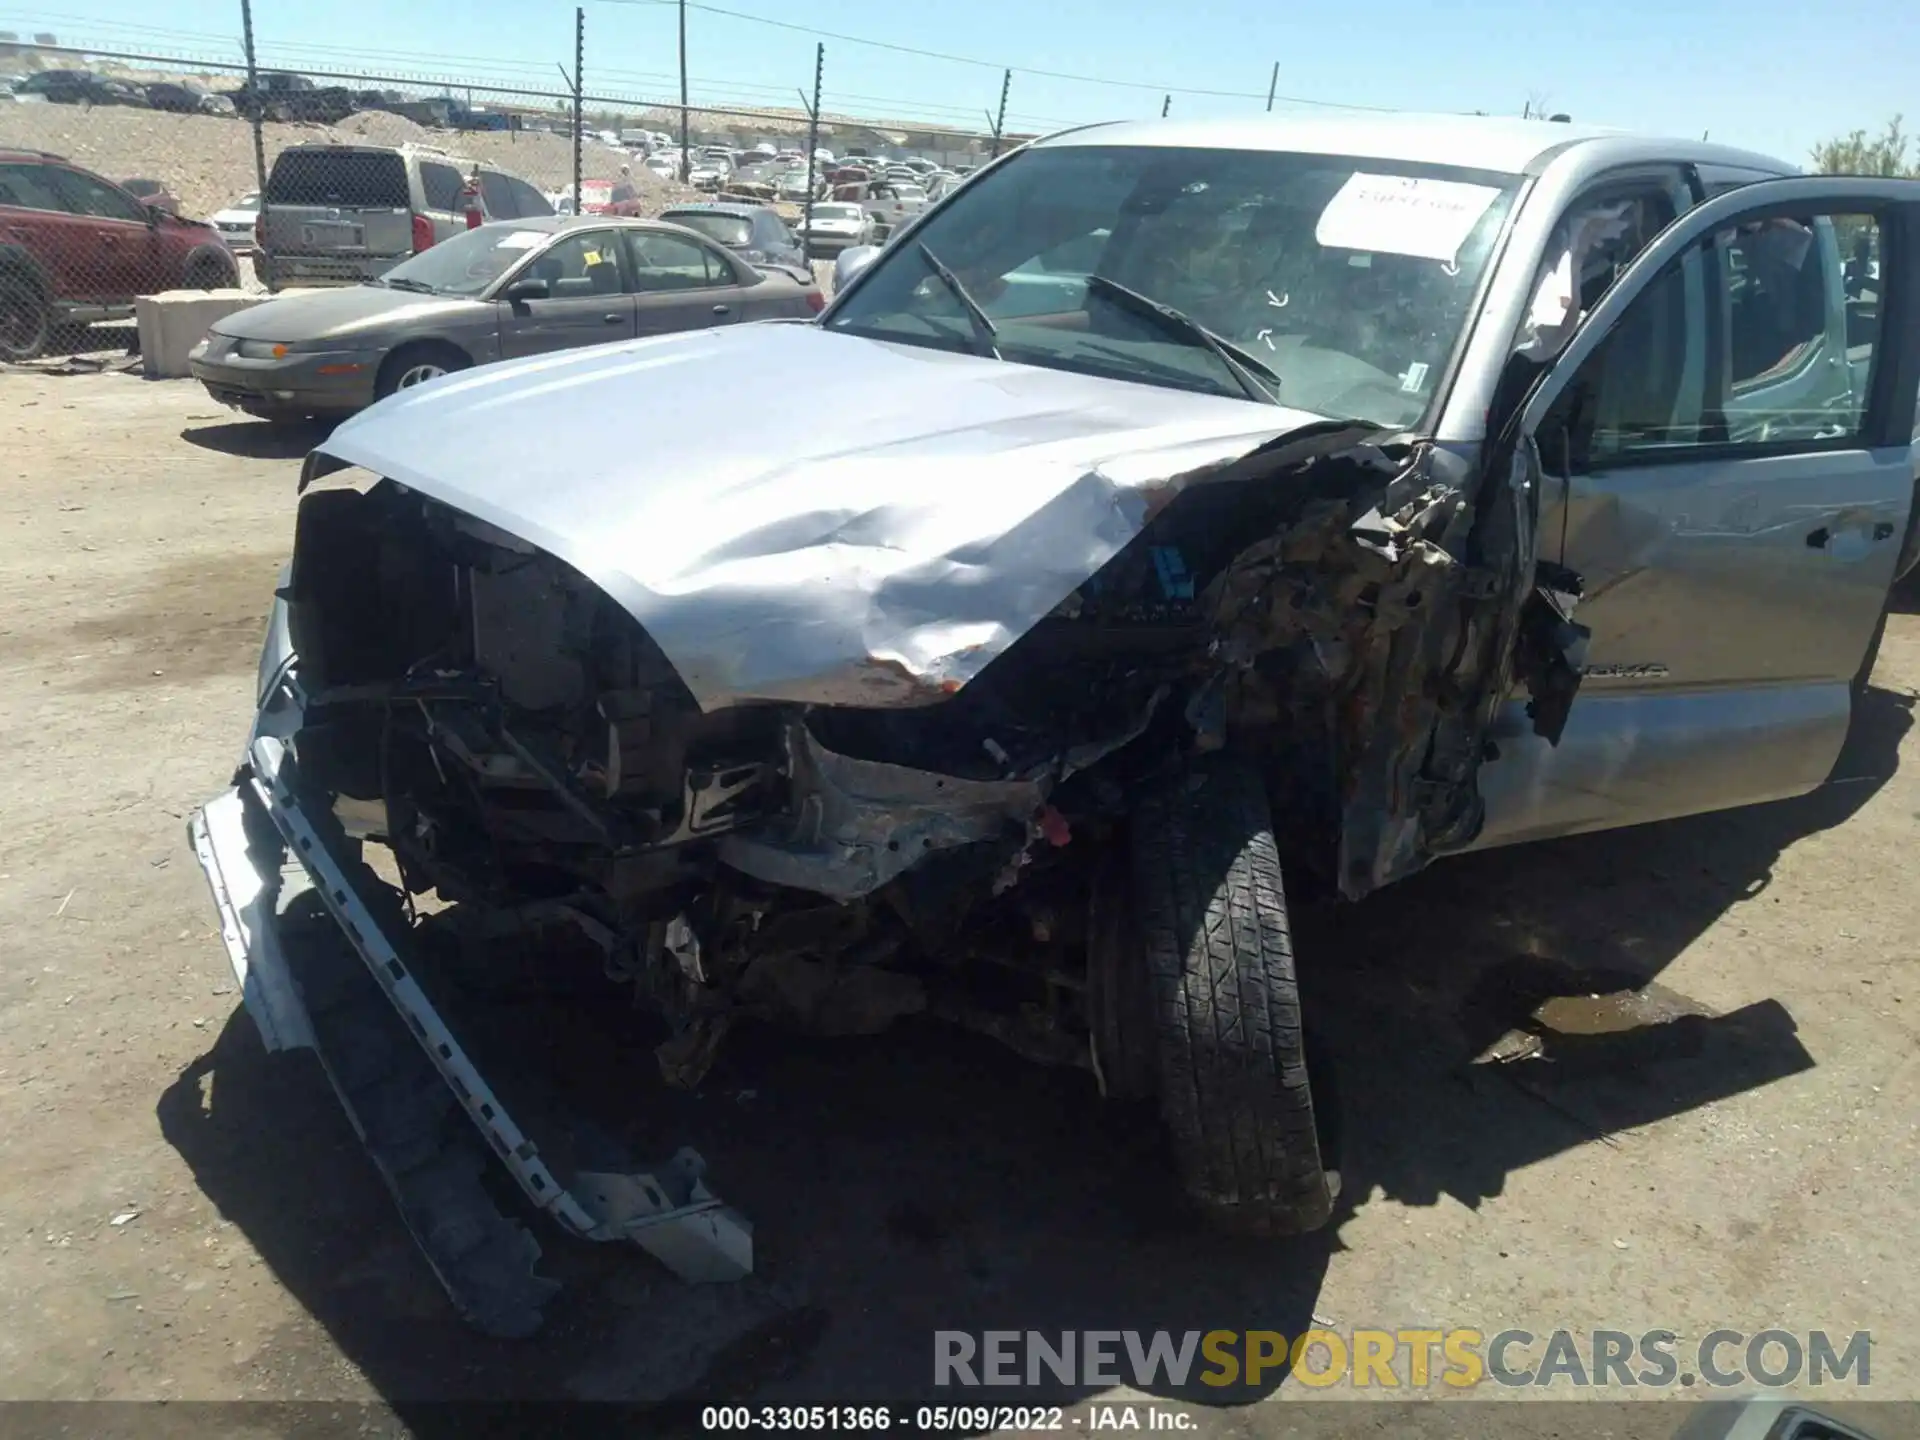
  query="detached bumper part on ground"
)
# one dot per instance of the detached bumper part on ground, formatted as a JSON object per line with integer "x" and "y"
{"x": 319, "y": 967}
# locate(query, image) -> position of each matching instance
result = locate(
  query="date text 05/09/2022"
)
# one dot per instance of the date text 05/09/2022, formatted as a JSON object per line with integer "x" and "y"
{"x": 934, "y": 1419}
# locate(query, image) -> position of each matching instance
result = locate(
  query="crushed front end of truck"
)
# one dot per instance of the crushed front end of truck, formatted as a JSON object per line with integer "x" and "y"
{"x": 837, "y": 766}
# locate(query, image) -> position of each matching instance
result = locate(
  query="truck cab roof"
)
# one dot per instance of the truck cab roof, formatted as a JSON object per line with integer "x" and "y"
{"x": 1477, "y": 142}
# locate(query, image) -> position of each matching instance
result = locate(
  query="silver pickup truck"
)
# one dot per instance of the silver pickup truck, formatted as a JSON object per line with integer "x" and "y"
{"x": 1181, "y": 505}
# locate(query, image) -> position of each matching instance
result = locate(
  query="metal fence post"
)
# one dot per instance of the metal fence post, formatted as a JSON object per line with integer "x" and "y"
{"x": 258, "y": 122}
{"x": 686, "y": 160}
{"x": 579, "y": 82}
{"x": 813, "y": 144}
{"x": 1000, "y": 120}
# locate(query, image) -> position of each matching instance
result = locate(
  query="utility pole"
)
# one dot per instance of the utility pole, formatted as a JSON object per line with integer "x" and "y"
{"x": 1000, "y": 120}
{"x": 813, "y": 144}
{"x": 256, "y": 119}
{"x": 686, "y": 164}
{"x": 1166, "y": 104}
{"x": 579, "y": 81}
{"x": 1272, "y": 86}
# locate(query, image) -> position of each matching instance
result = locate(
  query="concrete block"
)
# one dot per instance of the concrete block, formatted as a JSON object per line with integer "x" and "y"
{"x": 174, "y": 321}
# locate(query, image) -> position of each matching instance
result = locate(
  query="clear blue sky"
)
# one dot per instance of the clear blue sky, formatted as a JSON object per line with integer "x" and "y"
{"x": 1772, "y": 75}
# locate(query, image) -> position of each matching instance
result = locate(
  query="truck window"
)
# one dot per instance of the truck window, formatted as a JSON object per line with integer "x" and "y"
{"x": 1799, "y": 351}
{"x": 441, "y": 185}
{"x": 527, "y": 200}
{"x": 498, "y": 196}
{"x": 1776, "y": 301}
{"x": 1590, "y": 249}
{"x": 376, "y": 179}
{"x": 1729, "y": 346}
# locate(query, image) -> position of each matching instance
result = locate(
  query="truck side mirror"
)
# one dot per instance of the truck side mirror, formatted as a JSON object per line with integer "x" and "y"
{"x": 851, "y": 262}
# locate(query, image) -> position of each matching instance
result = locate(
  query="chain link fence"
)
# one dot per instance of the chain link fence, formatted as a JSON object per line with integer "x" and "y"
{"x": 128, "y": 171}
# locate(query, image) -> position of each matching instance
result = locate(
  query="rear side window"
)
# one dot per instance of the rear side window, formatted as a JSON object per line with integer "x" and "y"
{"x": 441, "y": 185}
{"x": 88, "y": 196}
{"x": 667, "y": 262}
{"x": 27, "y": 186}
{"x": 371, "y": 179}
{"x": 500, "y": 200}
{"x": 715, "y": 225}
{"x": 527, "y": 200}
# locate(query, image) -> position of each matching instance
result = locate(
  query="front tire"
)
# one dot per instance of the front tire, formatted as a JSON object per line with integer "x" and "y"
{"x": 26, "y": 321}
{"x": 413, "y": 365}
{"x": 205, "y": 272}
{"x": 1234, "y": 1085}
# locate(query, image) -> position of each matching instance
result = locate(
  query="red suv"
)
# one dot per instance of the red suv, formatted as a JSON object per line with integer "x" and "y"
{"x": 75, "y": 248}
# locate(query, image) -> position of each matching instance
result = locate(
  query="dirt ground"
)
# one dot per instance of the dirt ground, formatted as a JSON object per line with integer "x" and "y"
{"x": 183, "y": 1216}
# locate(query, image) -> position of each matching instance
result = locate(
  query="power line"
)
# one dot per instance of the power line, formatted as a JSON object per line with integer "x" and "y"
{"x": 505, "y": 69}
{"x": 998, "y": 65}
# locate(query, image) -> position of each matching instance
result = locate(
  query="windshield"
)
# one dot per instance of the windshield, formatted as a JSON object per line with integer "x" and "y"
{"x": 837, "y": 212}
{"x": 727, "y": 229}
{"x": 1350, "y": 279}
{"x": 467, "y": 263}
{"x": 339, "y": 178}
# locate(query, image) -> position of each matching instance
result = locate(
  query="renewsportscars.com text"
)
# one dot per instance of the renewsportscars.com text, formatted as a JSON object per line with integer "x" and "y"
{"x": 1411, "y": 1359}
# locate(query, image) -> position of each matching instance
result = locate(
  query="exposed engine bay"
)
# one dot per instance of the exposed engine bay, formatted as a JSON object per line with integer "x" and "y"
{"x": 1333, "y": 606}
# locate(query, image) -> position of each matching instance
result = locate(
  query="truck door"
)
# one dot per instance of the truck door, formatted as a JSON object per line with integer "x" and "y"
{"x": 1738, "y": 486}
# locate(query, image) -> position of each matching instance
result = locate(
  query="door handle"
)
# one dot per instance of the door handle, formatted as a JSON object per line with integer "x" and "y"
{"x": 1823, "y": 537}
{"x": 720, "y": 310}
{"x": 613, "y": 319}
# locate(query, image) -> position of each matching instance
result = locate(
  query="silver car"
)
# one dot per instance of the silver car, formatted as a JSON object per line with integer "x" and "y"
{"x": 496, "y": 292}
{"x": 1358, "y": 492}
{"x": 830, "y": 227}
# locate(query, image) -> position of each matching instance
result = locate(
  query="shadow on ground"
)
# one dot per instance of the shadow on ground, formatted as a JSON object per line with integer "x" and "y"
{"x": 105, "y": 341}
{"x": 259, "y": 439}
{"x": 1906, "y": 595}
{"x": 925, "y": 1180}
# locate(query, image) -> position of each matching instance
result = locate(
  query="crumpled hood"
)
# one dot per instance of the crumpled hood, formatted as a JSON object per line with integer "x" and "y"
{"x": 341, "y": 311}
{"x": 799, "y": 515}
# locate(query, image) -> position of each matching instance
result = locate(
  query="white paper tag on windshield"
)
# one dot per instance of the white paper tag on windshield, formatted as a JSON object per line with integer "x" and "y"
{"x": 1399, "y": 215}
{"x": 520, "y": 240}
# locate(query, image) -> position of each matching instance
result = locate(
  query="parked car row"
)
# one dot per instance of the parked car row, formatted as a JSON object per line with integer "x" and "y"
{"x": 503, "y": 290}
{"x": 274, "y": 95}
{"x": 76, "y": 248}
{"x": 89, "y": 87}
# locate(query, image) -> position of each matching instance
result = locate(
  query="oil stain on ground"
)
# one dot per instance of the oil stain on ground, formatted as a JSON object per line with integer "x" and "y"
{"x": 1617, "y": 1049}
{"x": 194, "y": 618}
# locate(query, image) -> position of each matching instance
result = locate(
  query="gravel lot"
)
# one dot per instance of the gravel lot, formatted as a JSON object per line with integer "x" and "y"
{"x": 1756, "y": 1166}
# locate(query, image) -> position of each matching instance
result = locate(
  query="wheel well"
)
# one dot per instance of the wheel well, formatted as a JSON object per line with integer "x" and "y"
{"x": 206, "y": 258}
{"x": 415, "y": 350}
{"x": 22, "y": 265}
